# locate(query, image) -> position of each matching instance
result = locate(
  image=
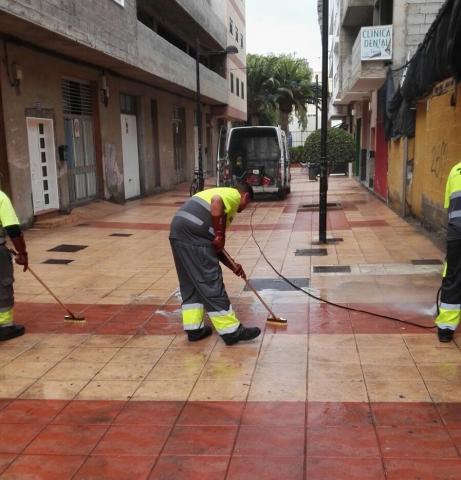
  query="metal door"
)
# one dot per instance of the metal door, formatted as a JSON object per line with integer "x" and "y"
{"x": 78, "y": 130}
{"x": 130, "y": 156}
{"x": 42, "y": 159}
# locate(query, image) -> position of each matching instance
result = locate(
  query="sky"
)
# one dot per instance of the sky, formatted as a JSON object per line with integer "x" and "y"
{"x": 284, "y": 26}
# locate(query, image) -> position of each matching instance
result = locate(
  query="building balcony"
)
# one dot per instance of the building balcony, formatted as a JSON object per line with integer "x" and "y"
{"x": 357, "y": 13}
{"x": 360, "y": 77}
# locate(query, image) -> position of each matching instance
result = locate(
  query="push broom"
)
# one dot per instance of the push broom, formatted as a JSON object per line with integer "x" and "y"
{"x": 70, "y": 317}
{"x": 272, "y": 318}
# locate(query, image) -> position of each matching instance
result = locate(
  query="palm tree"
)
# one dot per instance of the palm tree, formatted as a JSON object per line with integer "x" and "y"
{"x": 260, "y": 84}
{"x": 293, "y": 88}
{"x": 277, "y": 85}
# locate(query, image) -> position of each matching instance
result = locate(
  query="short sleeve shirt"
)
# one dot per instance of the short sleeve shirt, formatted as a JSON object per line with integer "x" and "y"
{"x": 8, "y": 216}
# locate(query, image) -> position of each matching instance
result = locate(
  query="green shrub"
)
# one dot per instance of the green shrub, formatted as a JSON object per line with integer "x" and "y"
{"x": 296, "y": 154}
{"x": 340, "y": 147}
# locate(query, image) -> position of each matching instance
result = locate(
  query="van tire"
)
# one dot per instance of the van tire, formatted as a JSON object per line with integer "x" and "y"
{"x": 281, "y": 193}
{"x": 287, "y": 189}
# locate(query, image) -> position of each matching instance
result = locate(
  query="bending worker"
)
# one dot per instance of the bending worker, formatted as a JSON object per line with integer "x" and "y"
{"x": 450, "y": 306}
{"x": 197, "y": 237}
{"x": 9, "y": 225}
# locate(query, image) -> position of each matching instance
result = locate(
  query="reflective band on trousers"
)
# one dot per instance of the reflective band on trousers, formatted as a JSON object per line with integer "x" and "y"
{"x": 6, "y": 317}
{"x": 224, "y": 321}
{"x": 192, "y": 316}
{"x": 448, "y": 318}
{"x": 450, "y": 306}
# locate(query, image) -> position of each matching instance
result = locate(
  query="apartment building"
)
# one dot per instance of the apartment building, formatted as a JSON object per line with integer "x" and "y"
{"x": 98, "y": 97}
{"x": 370, "y": 43}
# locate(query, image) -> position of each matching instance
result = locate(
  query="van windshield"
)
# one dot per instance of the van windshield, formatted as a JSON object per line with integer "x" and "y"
{"x": 254, "y": 149}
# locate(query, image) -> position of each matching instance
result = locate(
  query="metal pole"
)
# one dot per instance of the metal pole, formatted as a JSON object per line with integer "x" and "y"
{"x": 316, "y": 102}
{"x": 199, "y": 117}
{"x": 323, "y": 133}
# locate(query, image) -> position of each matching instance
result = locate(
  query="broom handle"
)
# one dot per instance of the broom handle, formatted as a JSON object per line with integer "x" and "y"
{"x": 249, "y": 285}
{"x": 43, "y": 284}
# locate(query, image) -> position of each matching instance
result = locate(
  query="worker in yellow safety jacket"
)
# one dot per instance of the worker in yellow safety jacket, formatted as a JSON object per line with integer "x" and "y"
{"x": 450, "y": 299}
{"x": 197, "y": 237}
{"x": 9, "y": 225}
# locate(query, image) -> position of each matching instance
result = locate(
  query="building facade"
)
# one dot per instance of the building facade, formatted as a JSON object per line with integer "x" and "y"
{"x": 370, "y": 43}
{"x": 98, "y": 98}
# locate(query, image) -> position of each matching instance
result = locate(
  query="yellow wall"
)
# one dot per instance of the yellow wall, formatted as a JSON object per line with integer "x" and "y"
{"x": 436, "y": 147}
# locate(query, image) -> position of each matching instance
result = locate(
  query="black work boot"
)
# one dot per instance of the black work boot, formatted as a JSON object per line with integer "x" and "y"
{"x": 199, "y": 333}
{"x": 445, "y": 334}
{"x": 12, "y": 331}
{"x": 242, "y": 333}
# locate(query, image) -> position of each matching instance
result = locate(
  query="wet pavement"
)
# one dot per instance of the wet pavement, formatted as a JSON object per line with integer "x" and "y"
{"x": 335, "y": 394}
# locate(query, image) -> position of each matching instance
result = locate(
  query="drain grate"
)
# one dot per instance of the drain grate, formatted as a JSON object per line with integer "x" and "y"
{"x": 83, "y": 225}
{"x": 332, "y": 269}
{"x": 315, "y": 206}
{"x": 57, "y": 261}
{"x": 277, "y": 284}
{"x": 120, "y": 235}
{"x": 332, "y": 241}
{"x": 311, "y": 252}
{"x": 427, "y": 261}
{"x": 65, "y": 247}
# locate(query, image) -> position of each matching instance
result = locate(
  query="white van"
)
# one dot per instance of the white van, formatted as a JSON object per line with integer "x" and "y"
{"x": 257, "y": 156}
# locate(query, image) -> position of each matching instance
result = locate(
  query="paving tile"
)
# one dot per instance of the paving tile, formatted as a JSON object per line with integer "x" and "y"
{"x": 415, "y": 441}
{"x": 450, "y": 413}
{"x": 328, "y": 414}
{"x": 201, "y": 440}
{"x": 342, "y": 441}
{"x": 108, "y": 389}
{"x": 336, "y": 391}
{"x": 344, "y": 469}
{"x": 266, "y": 467}
{"x": 43, "y": 467}
{"x": 149, "y": 413}
{"x": 13, "y": 387}
{"x": 66, "y": 440}
{"x": 115, "y": 468}
{"x": 127, "y": 440}
{"x": 31, "y": 411}
{"x": 89, "y": 412}
{"x": 211, "y": 390}
{"x": 277, "y": 414}
{"x": 398, "y": 391}
{"x": 15, "y": 439}
{"x": 444, "y": 391}
{"x": 164, "y": 390}
{"x": 279, "y": 441}
{"x": 422, "y": 469}
{"x": 171, "y": 467}
{"x": 392, "y": 413}
{"x": 211, "y": 413}
{"x": 5, "y": 460}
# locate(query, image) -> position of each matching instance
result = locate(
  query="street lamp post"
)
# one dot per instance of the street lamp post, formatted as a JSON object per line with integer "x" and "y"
{"x": 229, "y": 50}
{"x": 323, "y": 132}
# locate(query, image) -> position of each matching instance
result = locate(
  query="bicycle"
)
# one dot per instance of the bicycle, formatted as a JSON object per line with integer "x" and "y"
{"x": 197, "y": 183}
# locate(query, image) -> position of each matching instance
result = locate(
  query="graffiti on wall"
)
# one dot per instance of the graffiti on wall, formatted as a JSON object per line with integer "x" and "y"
{"x": 439, "y": 159}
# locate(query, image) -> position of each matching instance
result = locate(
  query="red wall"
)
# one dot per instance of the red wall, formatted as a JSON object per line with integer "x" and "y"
{"x": 380, "y": 180}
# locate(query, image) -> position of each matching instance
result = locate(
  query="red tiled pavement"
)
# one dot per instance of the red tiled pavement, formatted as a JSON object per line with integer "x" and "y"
{"x": 141, "y": 319}
{"x": 190, "y": 468}
{"x": 43, "y": 467}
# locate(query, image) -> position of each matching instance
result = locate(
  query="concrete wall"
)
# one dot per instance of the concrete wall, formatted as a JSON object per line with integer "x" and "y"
{"x": 41, "y": 89}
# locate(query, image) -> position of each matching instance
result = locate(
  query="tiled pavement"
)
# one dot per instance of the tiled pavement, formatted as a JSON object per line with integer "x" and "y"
{"x": 334, "y": 395}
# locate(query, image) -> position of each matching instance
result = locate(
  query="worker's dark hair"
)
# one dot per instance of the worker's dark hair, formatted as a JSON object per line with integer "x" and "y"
{"x": 245, "y": 188}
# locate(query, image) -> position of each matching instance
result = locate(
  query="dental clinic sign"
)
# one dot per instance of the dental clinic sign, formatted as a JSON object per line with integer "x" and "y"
{"x": 376, "y": 43}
